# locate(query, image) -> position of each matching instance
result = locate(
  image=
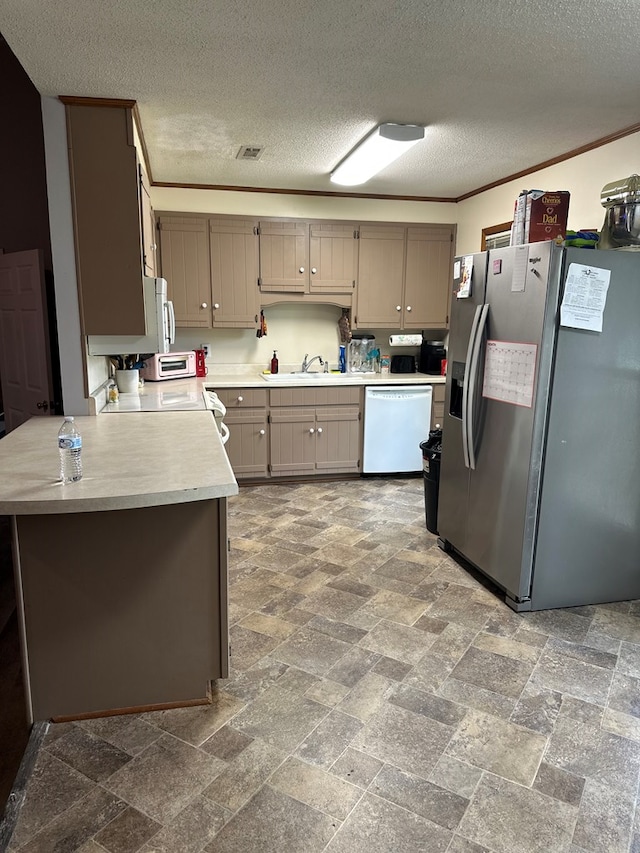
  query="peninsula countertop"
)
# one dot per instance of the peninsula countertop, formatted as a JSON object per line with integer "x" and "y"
{"x": 155, "y": 459}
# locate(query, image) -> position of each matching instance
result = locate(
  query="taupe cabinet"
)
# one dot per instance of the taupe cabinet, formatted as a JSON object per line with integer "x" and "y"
{"x": 308, "y": 257}
{"x": 293, "y": 431}
{"x": 437, "y": 405}
{"x": 211, "y": 267}
{"x": 315, "y": 431}
{"x": 404, "y": 274}
{"x": 107, "y": 211}
{"x": 221, "y": 269}
{"x": 248, "y": 444}
{"x": 233, "y": 251}
{"x": 184, "y": 262}
{"x": 148, "y": 225}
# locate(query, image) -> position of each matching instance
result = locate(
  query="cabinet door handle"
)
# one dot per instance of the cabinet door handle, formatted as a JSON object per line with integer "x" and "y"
{"x": 261, "y": 432}
{"x": 240, "y": 399}
{"x": 398, "y": 307}
{"x": 319, "y": 429}
{"x": 301, "y": 269}
{"x": 217, "y": 305}
{"x": 313, "y": 270}
{"x": 312, "y": 430}
{"x": 408, "y": 307}
{"x": 204, "y": 305}
{"x": 153, "y": 247}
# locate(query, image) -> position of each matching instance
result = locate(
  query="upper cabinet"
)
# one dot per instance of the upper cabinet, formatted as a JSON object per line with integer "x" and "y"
{"x": 211, "y": 267}
{"x": 221, "y": 269}
{"x": 184, "y": 262}
{"x": 297, "y": 256}
{"x": 428, "y": 271}
{"x": 381, "y": 272}
{"x": 284, "y": 256}
{"x": 233, "y": 251}
{"x": 404, "y": 274}
{"x": 148, "y": 225}
{"x": 333, "y": 257}
{"x": 105, "y": 191}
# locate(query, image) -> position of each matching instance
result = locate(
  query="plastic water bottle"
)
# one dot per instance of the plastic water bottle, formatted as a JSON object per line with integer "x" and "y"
{"x": 70, "y": 449}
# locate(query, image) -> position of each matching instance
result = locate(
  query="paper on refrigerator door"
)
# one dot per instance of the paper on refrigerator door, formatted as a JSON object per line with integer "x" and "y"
{"x": 464, "y": 291}
{"x": 585, "y": 297}
{"x": 510, "y": 372}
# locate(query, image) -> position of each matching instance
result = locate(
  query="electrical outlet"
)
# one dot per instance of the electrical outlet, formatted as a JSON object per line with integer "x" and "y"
{"x": 205, "y": 347}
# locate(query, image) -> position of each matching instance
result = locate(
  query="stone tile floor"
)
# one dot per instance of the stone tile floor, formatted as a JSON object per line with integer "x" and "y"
{"x": 381, "y": 699}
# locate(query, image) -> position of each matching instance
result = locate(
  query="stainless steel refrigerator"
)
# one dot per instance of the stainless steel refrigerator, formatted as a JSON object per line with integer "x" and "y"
{"x": 540, "y": 469}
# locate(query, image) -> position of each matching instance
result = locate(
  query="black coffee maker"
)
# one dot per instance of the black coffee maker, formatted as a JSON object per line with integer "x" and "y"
{"x": 431, "y": 355}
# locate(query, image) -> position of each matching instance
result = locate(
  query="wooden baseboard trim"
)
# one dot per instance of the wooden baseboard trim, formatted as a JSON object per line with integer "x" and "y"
{"x": 139, "y": 709}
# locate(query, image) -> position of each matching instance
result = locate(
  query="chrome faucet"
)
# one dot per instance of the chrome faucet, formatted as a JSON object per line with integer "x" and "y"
{"x": 307, "y": 364}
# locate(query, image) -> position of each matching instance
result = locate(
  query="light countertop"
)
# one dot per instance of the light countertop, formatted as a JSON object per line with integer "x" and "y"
{"x": 185, "y": 394}
{"x": 255, "y": 379}
{"x": 150, "y": 460}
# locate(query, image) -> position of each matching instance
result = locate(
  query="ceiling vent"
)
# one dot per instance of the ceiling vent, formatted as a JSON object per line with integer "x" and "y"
{"x": 250, "y": 152}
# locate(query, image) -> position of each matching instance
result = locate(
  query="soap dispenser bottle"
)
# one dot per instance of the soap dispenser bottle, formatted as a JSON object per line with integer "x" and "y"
{"x": 274, "y": 362}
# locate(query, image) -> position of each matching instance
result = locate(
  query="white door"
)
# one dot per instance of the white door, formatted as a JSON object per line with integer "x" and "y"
{"x": 25, "y": 369}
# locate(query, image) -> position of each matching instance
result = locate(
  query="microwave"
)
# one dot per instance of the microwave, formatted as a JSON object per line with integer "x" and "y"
{"x": 160, "y": 324}
{"x": 170, "y": 365}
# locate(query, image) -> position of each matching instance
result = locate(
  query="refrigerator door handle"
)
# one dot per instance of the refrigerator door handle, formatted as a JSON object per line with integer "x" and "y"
{"x": 473, "y": 379}
{"x": 465, "y": 389}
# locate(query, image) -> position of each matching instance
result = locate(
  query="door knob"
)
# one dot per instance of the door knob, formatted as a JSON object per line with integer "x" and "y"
{"x": 204, "y": 305}
{"x": 313, "y": 270}
{"x": 408, "y": 307}
{"x": 398, "y": 308}
{"x": 301, "y": 269}
{"x": 43, "y": 405}
{"x": 240, "y": 399}
{"x": 312, "y": 430}
{"x": 261, "y": 432}
{"x": 217, "y": 305}
{"x": 319, "y": 429}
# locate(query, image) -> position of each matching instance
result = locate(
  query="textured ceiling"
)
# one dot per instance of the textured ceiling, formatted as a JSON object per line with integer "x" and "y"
{"x": 500, "y": 86}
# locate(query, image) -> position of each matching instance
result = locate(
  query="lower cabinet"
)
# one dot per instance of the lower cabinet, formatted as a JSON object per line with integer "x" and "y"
{"x": 437, "y": 405}
{"x": 315, "y": 431}
{"x": 248, "y": 444}
{"x": 289, "y": 432}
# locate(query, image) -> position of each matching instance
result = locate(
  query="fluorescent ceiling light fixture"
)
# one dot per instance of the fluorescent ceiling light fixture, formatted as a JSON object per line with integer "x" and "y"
{"x": 383, "y": 145}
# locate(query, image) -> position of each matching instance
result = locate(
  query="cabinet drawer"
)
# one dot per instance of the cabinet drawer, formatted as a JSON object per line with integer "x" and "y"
{"x": 242, "y": 398}
{"x": 322, "y": 396}
{"x": 243, "y": 415}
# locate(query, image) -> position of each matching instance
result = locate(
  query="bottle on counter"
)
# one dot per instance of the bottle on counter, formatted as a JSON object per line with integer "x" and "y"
{"x": 70, "y": 450}
{"x": 274, "y": 362}
{"x": 342, "y": 359}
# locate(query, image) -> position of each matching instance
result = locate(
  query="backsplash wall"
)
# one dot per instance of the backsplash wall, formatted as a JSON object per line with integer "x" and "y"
{"x": 292, "y": 330}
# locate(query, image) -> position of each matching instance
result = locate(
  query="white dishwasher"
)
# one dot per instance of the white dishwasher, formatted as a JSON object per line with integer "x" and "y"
{"x": 396, "y": 419}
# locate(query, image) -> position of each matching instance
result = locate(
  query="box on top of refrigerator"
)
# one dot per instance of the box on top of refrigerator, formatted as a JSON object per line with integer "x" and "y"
{"x": 540, "y": 215}
{"x": 546, "y": 215}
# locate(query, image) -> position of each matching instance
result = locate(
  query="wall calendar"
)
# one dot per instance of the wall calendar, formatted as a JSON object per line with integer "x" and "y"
{"x": 509, "y": 372}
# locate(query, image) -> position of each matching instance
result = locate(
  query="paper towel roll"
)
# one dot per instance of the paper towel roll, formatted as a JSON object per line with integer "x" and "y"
{"x": 405, "y": 340}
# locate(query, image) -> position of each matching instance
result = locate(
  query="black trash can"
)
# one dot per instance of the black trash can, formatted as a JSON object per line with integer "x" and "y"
{"x": 431, "y": 453}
